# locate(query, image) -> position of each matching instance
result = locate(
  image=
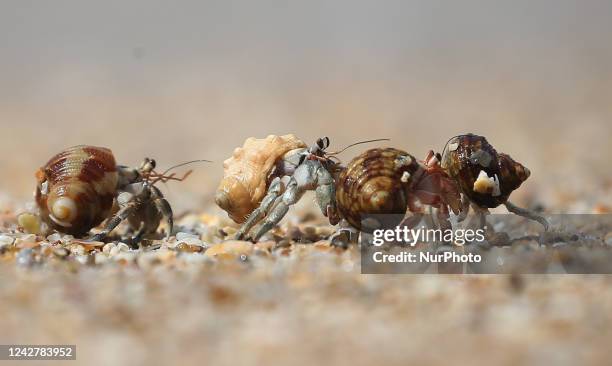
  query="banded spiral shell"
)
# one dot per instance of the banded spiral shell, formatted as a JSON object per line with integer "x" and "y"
{"x": 76, "y": 188}
{"x": 470, "y": 160}
{"x": 247, "y": 172}
{"x": 375, "y": 183}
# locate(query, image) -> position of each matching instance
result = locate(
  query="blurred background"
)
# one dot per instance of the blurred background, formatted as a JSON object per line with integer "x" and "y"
{"x": 193, "y": 79}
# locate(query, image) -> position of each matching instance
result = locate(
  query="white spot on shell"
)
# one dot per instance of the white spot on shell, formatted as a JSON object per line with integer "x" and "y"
{"x": 453, "y": 146}
{"x": 44, "y": 187}
{"x": 402, "y": 161}
{"x": 487, "y": 185}
{"x": 405, "y": 177}
{"x": 496, "y": 189}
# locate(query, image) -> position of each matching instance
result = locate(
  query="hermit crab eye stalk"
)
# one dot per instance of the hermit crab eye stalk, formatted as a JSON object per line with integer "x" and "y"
{"x": 318, "y": 148}
{"x": 147, "y": 165}
{"x": 323, "y": 142}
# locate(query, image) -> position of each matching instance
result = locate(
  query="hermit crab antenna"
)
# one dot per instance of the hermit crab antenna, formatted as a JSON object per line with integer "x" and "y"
{"x": 164, "y": 178}
{"x": 354, "y": 144}
{"x": 185, "y": 163}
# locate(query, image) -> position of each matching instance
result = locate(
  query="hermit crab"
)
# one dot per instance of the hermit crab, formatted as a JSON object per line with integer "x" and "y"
{"x": 380, "y": 186}
{"x": 266, "y": 176}
{"x": 485, "y": 177}
{"x": 79, "y": 187}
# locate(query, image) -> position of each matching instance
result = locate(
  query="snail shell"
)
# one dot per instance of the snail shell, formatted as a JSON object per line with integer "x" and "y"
{"x": 247, "y": 172}
{"x": 484, "y": 175}
{"x": 76, "y": 188}
{"x": 375, "y": 183}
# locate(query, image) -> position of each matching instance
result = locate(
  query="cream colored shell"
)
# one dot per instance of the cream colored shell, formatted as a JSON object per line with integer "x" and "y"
{"x": 246, "y": 173}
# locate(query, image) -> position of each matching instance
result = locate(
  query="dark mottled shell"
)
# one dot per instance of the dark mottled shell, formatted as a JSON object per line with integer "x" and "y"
{"x": 371, "y": 185}
{"x": 86, "y": 175}
{"x": 466, "y": 155}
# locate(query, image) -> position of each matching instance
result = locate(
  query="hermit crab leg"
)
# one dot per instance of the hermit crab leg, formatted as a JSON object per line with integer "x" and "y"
{"x": 465, "y": 208}
{"x": 293, "y": 194}
{"x": 164, "y": 208}
{"x": 274, "y": 191}
{"x": 326, "y": 195}
{"x": 123, "y": 213}
{"x": 140, "y": 233}
{"x": 417, "y": 213}
{"x": 480, "y": 216}
{"x": 527, "y": 213}
{"x": 443, "y": 216}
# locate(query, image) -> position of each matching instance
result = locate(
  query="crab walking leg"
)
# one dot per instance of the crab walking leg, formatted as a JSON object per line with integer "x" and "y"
{"x": 140, "y": 233}
{"x": 293, "y": 194}
{"x": 308, "y": 176}
{"x": 164, "y": 208}
{"x": 274, "y": 191}
{"x": 344, "y": 229}
{"x": 527, "y": 213}
{"x": 326, "y": 195}
{"x": 465, "y": 208}
{"x": 124, "y": 212}
{"x": 417, "y": 213}
{"x": 479, "y": 218}
{"x": 443, "y": 216}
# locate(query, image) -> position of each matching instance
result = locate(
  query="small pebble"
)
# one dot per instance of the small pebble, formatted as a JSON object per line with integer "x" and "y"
{"x": 192, "y": 241}
{"x": 54, "y": 238}
{"x": 180, "y": 236}
{"x": 6, "y": 240}
{"x": 29, "y": 222}
{"x": 26, "y": 241}
{"x": 67, "y": 239}
{"x": 107, "y": 248}
{"x": 77, "y": 249}
{"x": 191, "y": 248}
{"x": 123, "y": 247}
{"x": 60, "y": 252}
{"x": 231, "y": 247}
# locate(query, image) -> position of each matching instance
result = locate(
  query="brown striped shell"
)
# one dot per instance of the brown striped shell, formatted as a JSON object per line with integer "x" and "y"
{"x": 247, "y": 171}
{"x": 484, "y": 175}
{"x": 375, "y": 183}
{"x": 76, "y": 188}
